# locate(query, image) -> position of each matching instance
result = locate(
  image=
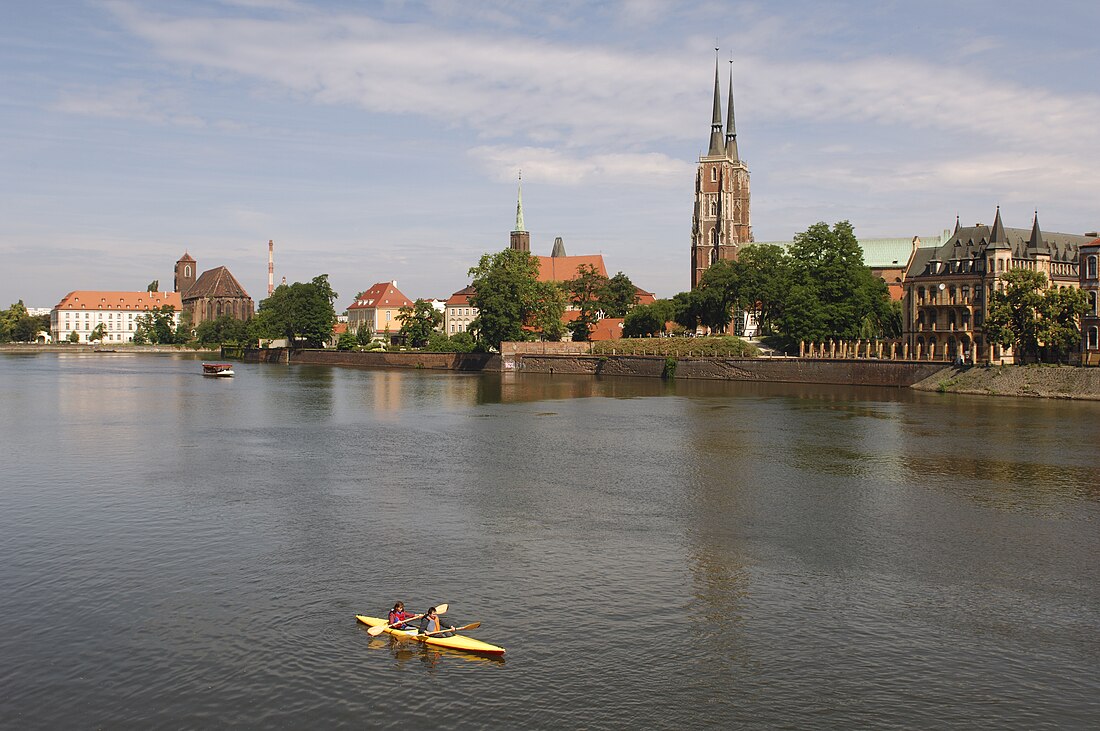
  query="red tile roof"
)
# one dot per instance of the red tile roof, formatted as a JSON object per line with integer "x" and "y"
{"x": 564, "y": 268}
{"x": 461, "y": 297}
{"x": 383, "y": 294}
{"x": 83, "y": 299}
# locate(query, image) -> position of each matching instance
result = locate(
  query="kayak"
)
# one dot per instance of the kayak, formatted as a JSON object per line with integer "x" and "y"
{"x": 456, "y": 642}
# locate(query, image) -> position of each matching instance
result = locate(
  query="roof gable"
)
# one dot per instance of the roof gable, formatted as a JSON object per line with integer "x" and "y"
{"x": 382, "y": 294}
{"x": 217, "y": 282}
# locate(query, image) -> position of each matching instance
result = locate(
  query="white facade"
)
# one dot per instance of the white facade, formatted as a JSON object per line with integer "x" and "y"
{"x": 82, "y": 312}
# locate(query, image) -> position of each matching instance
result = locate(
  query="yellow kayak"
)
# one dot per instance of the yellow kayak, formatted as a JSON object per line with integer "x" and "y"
{"x": 456, "y": 642}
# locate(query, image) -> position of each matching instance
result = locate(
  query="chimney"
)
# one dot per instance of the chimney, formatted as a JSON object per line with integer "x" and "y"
{"x": 270, "y": 266}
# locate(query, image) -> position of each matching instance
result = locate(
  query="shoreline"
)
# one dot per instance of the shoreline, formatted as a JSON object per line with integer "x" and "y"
{"x": 1024, "y": 381}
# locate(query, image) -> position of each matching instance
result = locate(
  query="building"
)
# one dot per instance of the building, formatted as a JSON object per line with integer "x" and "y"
{"x": 458, "y": 313}
{"x": 82, "y": 311}
{"x": 214, "y": 294}
{"x": 947, "y": 287}
{"x": 1090, "y": 283}
{"x": 376, "y": 309}
{"x": 721, "y": 223}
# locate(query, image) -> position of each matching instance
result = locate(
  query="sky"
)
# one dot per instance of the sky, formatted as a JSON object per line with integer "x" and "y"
{"x": 377, "y": 141}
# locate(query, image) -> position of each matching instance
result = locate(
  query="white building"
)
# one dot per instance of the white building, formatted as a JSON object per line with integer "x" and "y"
{"x": 457, "y": 312}
{"x": 82, "y": 311}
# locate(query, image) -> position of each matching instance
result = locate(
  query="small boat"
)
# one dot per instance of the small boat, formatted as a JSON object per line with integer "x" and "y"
{"x": 217, "y": 369}
{"x": 455, "y": 642}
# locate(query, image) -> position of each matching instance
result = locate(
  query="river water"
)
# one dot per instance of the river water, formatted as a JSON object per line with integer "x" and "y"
{"x": 187, "y": 552}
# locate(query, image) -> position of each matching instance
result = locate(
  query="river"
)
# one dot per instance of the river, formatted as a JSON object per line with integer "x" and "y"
{"x": 189, "y": 552}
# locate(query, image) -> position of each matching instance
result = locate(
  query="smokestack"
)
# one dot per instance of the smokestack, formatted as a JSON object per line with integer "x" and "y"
{"x": 270, "y": 266}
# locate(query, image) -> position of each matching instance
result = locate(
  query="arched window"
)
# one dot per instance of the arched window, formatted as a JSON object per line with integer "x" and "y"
{"x": 714, "y": 236}
{"x": 187, "y": 270}
{"x": 1091, "y": 272}
{"x": 1094, "y": 336}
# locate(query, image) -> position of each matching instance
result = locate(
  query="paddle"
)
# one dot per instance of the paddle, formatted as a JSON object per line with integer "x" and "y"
{"x": 380, "y": 628}
{"x": 472, "y": 625}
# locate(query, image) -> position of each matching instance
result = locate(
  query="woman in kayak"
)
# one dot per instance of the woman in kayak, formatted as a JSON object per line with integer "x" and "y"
{"x": 429, "y": 624}
{"x": 398, "y": 616}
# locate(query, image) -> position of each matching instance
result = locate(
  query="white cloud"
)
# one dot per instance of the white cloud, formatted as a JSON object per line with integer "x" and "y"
{"x": 554, "y": 166}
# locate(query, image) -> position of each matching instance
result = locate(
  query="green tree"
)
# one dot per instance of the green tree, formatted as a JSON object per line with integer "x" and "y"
{"x": 549, "y": 307}
{"x": 619, "y": 296}
{"x": 704, "y": 306}
{"x": 1033, "y": 319}
{"x": 158, "y": 327}
{"x": 831, "y": 292}
{"x": 98, "y": 333}
{"x": 763, "y": 282}
{"x": 507, "y": 296}
{"x": 461, "y": 342}
{"x": 302, "y": 313}
{"x": 419, "y": 322}
{"x": 223, "y": 329}
{"x": 74, "y": 337}
{"x": 585, "y": 292}
{"x": 153, "y": 286}
{"x": 650, "y": 319}
{"x": 347, "y": 341}
{"x": 9, "y": 321}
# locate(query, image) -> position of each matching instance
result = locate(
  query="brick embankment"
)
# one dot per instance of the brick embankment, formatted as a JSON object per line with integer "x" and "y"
{"x": 786, "y": 370}
{"x": 105, "y": 348}
{"x": 1041, "y": 381}
{"x": 376, "y": 359}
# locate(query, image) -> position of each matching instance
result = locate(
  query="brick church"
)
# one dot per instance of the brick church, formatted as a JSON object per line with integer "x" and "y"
{"x": 721, "y": 223}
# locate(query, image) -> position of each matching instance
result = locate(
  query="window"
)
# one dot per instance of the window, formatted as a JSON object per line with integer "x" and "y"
{"x": 714, "y": 173}
{"x": 1091, "y": 271}
{"x": 1094, "y": 336}
{"x": 187, "y": 270}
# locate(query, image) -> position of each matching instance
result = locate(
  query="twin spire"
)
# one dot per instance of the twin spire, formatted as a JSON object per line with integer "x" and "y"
{"x": 719, "y": 143}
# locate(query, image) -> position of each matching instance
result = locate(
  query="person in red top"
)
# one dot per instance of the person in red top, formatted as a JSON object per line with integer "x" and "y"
{"x": 398, "y": 616}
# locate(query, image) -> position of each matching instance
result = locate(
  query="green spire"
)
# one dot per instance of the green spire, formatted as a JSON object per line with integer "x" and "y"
{"x": 519, "y": 205}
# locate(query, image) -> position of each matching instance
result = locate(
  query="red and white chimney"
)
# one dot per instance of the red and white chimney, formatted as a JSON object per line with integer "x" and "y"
{"x": 270, "y": 266}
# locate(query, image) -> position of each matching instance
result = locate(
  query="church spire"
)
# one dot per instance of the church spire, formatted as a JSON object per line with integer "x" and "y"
{"x": 716, "y": 142}
{"x": 997, "y": 237}
{"x": 1036, "y": 241}
{"x": 519, "y": 204}
{"x": 731, "y": 126}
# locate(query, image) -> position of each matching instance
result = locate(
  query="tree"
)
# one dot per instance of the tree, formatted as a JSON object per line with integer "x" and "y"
{"x": 507, "y": 296}
{"x": 153, "y": 286}
{"x": 9, "y": 321}
{"x": 1029, "y": 319}
{"x": 460, "y": 342}
{"x": 648, "y": 319}
{"x": 302, "y": 313}
{"x": 831, "y": 292}
{"x": 585, "y": 292}
{"x": 364, "y": 334}
{"x": 619, "y": 296}
{"x": 98, "y": 333}
{"x": 703, "y": 306}
{"x": 158, "y": 327}
{"x": 549, "y": 307}
{"x": 419, "y": 322}
{"x": 763, "y": 282}
{"x": 74, "y": 337}
{"x": 224, "y": 329}
{"x": 347, "y": 341}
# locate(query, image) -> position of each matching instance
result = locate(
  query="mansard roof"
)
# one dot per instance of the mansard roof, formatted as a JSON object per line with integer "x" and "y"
{"x": 83, "y": 299}
{"x": 216, "y": 282}
{"x": 973, "y": 242}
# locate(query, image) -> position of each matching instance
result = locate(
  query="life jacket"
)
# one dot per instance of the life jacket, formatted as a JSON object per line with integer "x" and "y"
{"x": 397, "y": 618}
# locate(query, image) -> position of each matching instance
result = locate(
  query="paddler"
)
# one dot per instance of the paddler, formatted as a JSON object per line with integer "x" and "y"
{"x": 398, "y": 616}
{"x": 429, "y": 623}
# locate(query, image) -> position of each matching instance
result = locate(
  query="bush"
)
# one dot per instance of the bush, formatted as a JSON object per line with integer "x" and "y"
{"x": 717, "y": 346}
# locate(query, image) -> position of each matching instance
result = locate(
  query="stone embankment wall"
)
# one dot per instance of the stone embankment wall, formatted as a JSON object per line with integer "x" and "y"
{"x": 376, "y": 359}
{"x": 787, "y": 370}
{"x": 106, "y": 348}
{"x": 1042, "y": 381}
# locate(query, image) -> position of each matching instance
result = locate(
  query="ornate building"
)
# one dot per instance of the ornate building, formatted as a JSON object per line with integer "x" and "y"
{"x": 947, "y": 287}
{"x": 721, "y": 222}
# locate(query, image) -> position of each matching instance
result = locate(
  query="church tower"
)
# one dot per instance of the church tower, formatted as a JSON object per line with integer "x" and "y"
{"x": 520, "y": 238}
{"x": 721, "y": 220}
{"x": 185, "y": 274}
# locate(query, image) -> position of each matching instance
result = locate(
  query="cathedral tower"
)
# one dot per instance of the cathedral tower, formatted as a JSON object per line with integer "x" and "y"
{"x": 721, "y": 220}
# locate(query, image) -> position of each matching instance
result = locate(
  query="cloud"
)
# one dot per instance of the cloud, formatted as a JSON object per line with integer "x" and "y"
{"x": 129, "y": 101}
{"x": 554, "y": 166}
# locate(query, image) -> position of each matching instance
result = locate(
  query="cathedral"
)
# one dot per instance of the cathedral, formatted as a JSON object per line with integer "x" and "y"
{"x": 721, "y": 223}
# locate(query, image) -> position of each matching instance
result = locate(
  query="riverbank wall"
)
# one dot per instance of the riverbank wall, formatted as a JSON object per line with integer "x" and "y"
{"x": 105, "y": 349}
{"x": 1032, "y": 381}
{"x": 375, "y": 359}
